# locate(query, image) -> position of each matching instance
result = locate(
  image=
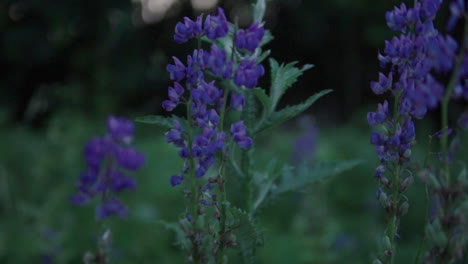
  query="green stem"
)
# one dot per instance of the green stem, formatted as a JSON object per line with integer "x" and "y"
{"x": 194, "y": 194}
{"x": 445, "y": 103}
{"x": 222, "y": 181}
{"x": 393, "y": 221}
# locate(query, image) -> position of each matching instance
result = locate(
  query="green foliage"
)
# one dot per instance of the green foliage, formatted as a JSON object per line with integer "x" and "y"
{"x": 259, "y": 10}
{"x": 293, "y": 179}
{"x": 277, "y": 118}
{"x": 246, "y": 233}
{"x": 160, "y": 121}
{"x": 283, "y": 77}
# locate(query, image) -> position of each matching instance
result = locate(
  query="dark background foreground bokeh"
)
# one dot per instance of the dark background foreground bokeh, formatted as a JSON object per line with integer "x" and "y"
{"x": 65, "y": 65}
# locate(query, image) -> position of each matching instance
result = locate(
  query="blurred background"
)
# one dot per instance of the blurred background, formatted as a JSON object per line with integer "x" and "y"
{"x": 65, "y": 65}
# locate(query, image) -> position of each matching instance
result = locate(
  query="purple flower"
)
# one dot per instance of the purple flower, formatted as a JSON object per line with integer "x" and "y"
{"x": 106, "y": 157}
{"x": 216, "y": 60}
{"x": 176, "y": 180}
{"x": 377, "y": 118}
{"x": 111, "y": 207}
{"x": 176, "y": 71}
{"x": 216, "y": 26}
{"x": 384, "y": 84}
{"x": 248, "y": 73}
{"x": 250, "y": 38}
{"x": 239, "y": 135}
{"x": 120, "y": 129}
{"x": 187, "y": 30}
{"x": 237, "y": 101}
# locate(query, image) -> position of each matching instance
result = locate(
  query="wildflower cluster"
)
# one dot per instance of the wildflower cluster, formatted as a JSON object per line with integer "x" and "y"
{"x": 205, "y": 84}
{"x": 204, "y": 100}
{"x": 416, "y": 60}
{"x": 107, "y": 159}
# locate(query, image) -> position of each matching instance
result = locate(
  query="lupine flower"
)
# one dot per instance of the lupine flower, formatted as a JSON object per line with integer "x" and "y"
{"x": 237, "y": 101}
{"x": 250, "y": 38}
{"x": 187, "y": 30}
{"x": 216, "y": 26}
{"x": 239, "y": 135}
{"x": 108, "y": 158}
{"x": 216, "y": 60}
{"x": 176, "y": 71}
{"x": 248, "y": 73}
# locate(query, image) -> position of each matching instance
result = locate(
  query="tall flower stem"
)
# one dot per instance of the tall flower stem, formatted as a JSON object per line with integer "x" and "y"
{"x": 222, "y": 182}
{"x": 194, "y": 192}
{"x": 446, "y": 100}
{"x": 395, "y": 198}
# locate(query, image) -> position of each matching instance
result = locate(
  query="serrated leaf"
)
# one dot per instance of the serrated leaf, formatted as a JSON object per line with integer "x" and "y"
{"x": 160, "y": 121}
{"x": 283, "y": 77}
{"x": 247, "y": 235}
{"x": 293, "y": 180}
{"x": 287, "y": 113}
{"x": 262, "y": 97}
{"x": 259, "y": 10}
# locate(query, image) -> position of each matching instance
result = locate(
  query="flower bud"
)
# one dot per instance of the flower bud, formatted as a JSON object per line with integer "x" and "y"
{"x": 403, "y": 208}
{"x": 406, "y": 183}
{"x": 383, "y": 198}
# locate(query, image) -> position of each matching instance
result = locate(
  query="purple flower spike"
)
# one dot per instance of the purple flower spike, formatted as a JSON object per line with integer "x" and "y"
{"x": 250, "y": 38}
{"x": 106, "y": 158}
{"x": 216, "y": 26}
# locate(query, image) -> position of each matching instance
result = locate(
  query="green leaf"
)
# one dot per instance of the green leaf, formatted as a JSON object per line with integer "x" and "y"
{"x": 262, "y": 97}
{"x": 259, "y": 10}
{"x": 160, "y": 121}
{"x": 287, "y": 113}
{"x": 247, "y": 235}
{"x": 266, "y": 38}
{"x": 263, "y": 56}
{"x": 293, "y": 180}
{"x": 283, "y": 77}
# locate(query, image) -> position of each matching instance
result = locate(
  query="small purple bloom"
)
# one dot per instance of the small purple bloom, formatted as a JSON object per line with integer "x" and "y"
{"x": 384, "y": 84}
{"x": 187, "y": 30}
{"x": 239, "y": 135}
{"x": 176, "y": 180}
{"x": 377, "y": 118}
{"x": 250, "y": 38}
{"x": 111, "y": 207}
{"x": 176, "y": 71}
{"x": 120, "y": 129}
{"x": 248, "y": 73}
{"x": 237, "y": 101}
{"x": 216, "y": 26}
